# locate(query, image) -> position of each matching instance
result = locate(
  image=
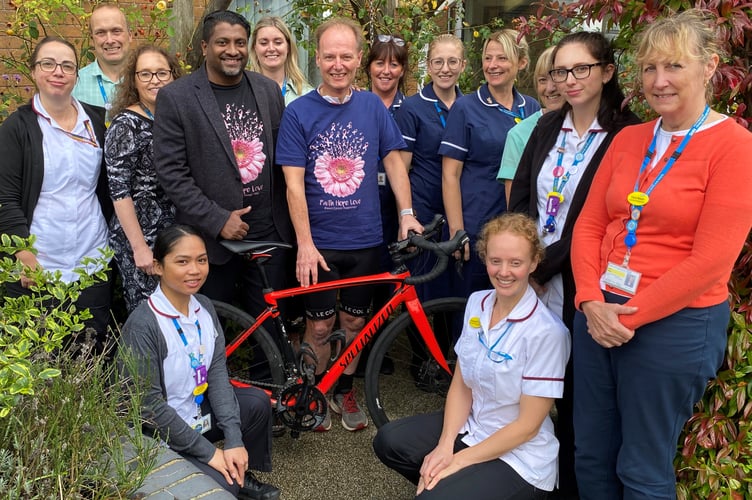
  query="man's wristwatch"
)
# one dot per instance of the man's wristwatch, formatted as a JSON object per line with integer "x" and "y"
{"x": 407, "y": 211}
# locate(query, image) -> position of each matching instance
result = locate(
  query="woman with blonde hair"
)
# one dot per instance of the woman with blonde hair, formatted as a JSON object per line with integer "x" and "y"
{"x": 667, "y": 214}
{"x": 274, "y": 54}
{"x": 495, "y": 439}
{"x": 473, "y": 142}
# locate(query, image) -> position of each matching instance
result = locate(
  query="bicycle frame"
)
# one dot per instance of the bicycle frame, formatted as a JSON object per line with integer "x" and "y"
{"x": 403, "y": 294}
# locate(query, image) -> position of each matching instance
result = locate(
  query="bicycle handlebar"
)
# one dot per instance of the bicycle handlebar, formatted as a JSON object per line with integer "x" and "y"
{"x": 442, "y": 250}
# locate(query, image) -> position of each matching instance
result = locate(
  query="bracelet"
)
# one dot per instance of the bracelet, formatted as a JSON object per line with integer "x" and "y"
{"x": 407, "y": 211}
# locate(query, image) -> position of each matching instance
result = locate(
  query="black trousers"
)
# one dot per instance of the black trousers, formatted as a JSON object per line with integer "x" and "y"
{"x": 256, "y": 426}
{"x": 402, "y": 444}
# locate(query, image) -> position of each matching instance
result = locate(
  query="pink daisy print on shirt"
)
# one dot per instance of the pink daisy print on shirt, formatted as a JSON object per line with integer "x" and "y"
{"x": 339, "y": 165}
{"x": 245, "y": 129}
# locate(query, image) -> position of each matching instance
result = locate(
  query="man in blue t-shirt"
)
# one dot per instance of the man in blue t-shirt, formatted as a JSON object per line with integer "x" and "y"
{"x": 329, "y": 145}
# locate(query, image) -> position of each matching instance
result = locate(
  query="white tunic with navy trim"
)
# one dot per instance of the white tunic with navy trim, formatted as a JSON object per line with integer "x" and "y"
{"x": 538, "y": 345}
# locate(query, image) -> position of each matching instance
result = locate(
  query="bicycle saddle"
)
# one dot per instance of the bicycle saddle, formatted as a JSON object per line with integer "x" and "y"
{"x": 245, "y": 246}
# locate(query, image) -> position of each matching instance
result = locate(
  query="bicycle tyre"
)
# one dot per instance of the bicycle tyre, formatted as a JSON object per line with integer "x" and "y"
{"x": 417, "y": 383}
{"x": 257, "y": 361}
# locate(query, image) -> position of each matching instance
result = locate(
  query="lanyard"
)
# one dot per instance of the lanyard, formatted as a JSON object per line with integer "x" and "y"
{"x": 91, "y": 140}
{"x": 441, "y": 115}
{"x": 146, "y": 110}
{"x": 555, "y": 197}
{"x": 517, "y": 117}
{"x": 284, "y": 87}
{"x": 107, "y": 104}
{"x": 638, "y": 199}
{"x": 199, "y": 368}
{"x": 501, "y": 356}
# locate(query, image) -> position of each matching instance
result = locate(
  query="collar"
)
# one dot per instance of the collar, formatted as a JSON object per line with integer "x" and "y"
{"x": 96, "y": 71}
{"x": 335, "y": 100}
{"x": 485, "y": 97}
{"x": 568, "y": 124}
{"x": 521, "y": 311}
{"x": 36, "y": 105}
{"x": 159, "y": 303}
{"x": 428, "y": 94}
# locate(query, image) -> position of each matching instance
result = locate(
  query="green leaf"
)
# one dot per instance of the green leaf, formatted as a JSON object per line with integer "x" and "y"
{"x": 48, "y": 373}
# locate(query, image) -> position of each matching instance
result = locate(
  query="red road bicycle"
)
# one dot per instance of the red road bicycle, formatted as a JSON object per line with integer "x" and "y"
{"x": 418, "y": 341}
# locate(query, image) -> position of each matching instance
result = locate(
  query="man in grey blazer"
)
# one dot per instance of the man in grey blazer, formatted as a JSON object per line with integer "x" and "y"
{"x": 214, "y": 141}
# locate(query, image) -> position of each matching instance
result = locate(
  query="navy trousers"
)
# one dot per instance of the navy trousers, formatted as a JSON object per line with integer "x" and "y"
{"x": 631, "y": 402}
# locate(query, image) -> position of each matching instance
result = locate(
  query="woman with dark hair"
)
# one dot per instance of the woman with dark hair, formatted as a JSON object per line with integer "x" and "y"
{"x": 553, "y": 179}
{"x": 141, "y": 205}
{"x": 274, "y": 54}
{"x": 52, "y": 180}
{"x": 178, "y": 356}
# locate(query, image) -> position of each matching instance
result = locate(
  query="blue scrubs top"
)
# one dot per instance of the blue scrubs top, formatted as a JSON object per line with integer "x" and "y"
{"x": 422, "y": 119}
{"x": 475, "y": 134}
{"x": 389, "y": 216}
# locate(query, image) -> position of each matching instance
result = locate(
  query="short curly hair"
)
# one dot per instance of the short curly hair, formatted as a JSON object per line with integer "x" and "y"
{"x": 514, "y": 223}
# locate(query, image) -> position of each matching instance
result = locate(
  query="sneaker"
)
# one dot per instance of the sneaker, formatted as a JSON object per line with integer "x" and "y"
{"x": 353, "y": 418}
{"x": 325, "y": 425}
{"x": 253, "y": 489}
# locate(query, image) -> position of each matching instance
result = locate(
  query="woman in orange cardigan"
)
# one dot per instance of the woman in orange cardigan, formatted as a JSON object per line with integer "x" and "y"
{"x": 667, "y": 214}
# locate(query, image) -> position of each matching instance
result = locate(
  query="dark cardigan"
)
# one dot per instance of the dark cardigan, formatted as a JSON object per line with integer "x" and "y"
{"x": 22, "y": 168}
{"x": 524, "y": 198}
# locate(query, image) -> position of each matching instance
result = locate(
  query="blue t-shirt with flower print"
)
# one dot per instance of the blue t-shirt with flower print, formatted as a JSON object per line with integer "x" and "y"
{"x": 339, "y": 145}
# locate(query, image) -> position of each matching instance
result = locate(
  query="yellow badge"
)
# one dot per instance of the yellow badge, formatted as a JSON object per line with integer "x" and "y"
{"x": 638, "y": 198}
{"x": 474, "y": 322}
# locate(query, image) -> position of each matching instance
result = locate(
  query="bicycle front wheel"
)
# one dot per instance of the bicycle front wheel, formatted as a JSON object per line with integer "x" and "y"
{"x": 416, "y": 384}
{"x": 257, "y": 361}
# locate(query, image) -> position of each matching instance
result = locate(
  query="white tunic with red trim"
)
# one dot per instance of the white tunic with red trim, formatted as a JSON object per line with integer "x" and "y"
{"x": 535, "y": 350}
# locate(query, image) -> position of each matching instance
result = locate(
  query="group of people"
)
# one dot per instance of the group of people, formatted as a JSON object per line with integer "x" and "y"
{"x": 589, "y": 232}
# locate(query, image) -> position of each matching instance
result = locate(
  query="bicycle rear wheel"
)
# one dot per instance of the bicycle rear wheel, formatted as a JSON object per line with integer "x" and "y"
{"x": 418, "y": 384}
{"x": 257, "y": 361}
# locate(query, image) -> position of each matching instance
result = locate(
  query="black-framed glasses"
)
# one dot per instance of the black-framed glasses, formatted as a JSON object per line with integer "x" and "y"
{"x": 49, "y": 66}
{"x": 438, "y": 63}
{"x": 162, "y": 75}
{"x": 390, "y": 38}
{"x": 579, "y": 72}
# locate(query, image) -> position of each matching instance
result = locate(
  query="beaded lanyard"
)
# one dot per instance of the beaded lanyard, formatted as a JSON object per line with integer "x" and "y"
{"x": 638, "y": 199}
{"x": 199, "y": 368}
{"x": 556, "y": 197}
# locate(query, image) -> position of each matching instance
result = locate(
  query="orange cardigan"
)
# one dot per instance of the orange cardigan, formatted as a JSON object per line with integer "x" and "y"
{"x": 689, "y": 234}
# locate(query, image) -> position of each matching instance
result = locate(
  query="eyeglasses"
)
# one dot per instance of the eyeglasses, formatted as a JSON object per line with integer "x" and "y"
{"x": 162, "y": 75}
{"x": 49, "y": 66}
{"x": 580, "y": 72}
{"x": 452, "y": 62}
{"x": 389, "y": 38}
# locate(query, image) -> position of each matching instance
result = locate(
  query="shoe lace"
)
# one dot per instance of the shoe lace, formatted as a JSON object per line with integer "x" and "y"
{"x": 349, "y": 404}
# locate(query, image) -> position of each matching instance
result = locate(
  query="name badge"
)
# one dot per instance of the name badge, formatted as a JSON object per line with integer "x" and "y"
{"x": 382, "y": 178}
{"x": 202, "y": 423}
{"x": 622, "y": 278}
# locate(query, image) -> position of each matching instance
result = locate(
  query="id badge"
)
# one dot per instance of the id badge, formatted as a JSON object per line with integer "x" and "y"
{"x": 202, "y": 424}
{"x": 382, "y": 178}
{"x": 622, "y": 278}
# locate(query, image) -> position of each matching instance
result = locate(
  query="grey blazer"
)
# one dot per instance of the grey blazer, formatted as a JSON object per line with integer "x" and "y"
{"x": 195, "y": 163}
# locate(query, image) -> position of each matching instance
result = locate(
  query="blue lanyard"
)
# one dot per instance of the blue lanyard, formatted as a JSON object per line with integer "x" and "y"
{"x": 555, "y": 197}
{"x": 441, "y": 115}
{"x": 638, "y": 199}
{"x": 107, "y": 105}
{"x": 517, "y": 117}
{"x": 284, "y": 87}
{"x": 194, "y": 362}
{"x": 504, "y": 356}
{"x": 146, "y": 110}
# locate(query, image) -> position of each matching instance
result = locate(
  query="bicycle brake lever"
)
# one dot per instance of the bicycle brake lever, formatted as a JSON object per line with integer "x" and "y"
{"x": 459, "y": 263}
